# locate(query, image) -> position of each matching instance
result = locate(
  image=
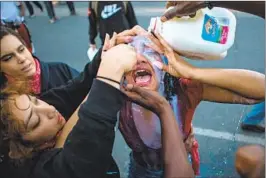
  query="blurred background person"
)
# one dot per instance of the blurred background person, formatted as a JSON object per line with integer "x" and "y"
{"x": 12, "y": 16}
{"x": 108, "y": 17}
{"x": 51, "y": 13}
{"x": 30, "y": 8}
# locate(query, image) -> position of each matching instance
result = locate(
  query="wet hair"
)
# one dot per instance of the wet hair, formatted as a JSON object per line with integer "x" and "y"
{"x": 12, "y": 146}
{"x": 4, "y": 31}
{"x": 171, "y": 84}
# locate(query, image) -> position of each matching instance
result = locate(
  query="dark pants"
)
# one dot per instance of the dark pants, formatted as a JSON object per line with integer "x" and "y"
{"x": 71, "y": 7}
{"x": 30, "y": 8}
{"x": 50, "y": 9}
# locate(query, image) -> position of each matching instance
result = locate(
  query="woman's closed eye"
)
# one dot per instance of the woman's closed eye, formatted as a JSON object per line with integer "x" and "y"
{"x": 6, "y": 58}
{"x": 34, "y": 122}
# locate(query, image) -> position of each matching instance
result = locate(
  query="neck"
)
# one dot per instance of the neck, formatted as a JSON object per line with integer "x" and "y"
{"x": 147, "y": 114}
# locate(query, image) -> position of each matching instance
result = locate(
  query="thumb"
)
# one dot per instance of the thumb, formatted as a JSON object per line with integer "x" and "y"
{"x": 161, "y": 66}
{"x": 166, "y": 68}
{"x": 133, "y": 88}
{"x": 171, "y": 13}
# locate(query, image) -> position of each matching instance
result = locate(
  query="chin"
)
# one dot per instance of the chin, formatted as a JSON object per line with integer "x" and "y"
{"x": 31, "y": 73}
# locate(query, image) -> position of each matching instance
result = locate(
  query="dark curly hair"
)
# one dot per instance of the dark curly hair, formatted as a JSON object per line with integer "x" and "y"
{"x": 171, "y": 84}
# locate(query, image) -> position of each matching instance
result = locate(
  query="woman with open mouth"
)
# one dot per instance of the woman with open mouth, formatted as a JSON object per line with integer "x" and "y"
{"x": 184, "y": 86}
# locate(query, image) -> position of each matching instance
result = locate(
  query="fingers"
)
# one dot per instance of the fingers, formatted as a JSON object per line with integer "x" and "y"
{"x": 113, "y": 40}
{"x": 136, "y": 30}
{"x": 127, "y": 90}
{"x": 106, "y": 42}
{"x": 155, "y": 43}
{"x": 161, "y": 66}
{"x": 170, "y": 3}
{"x": 138, "y": 90}
{"x": 164, "y": 43}
{"x": 171, "y": 13}
{"x": 123, "y": 39}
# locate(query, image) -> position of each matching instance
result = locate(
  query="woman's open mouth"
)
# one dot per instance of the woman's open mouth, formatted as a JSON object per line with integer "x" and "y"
{"x": 142, "y": 77}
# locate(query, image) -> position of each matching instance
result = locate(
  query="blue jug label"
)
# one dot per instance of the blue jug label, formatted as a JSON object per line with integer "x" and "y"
{"x": 215, "y": 29}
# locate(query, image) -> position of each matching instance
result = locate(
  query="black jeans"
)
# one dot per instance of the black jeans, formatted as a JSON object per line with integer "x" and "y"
{"x": 30, "y": 8}
{"x": 50, "y": 9}
{"x": 71, "y": 7}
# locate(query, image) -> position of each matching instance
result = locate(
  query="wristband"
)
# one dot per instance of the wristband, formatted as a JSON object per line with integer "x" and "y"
{"x": 106, "y": 78}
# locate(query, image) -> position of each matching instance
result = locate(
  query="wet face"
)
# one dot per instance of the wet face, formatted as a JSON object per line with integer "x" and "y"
{"x": 16, "y": 60}
{"x": 42, "y": 121}
{"x": 144, "y": 73}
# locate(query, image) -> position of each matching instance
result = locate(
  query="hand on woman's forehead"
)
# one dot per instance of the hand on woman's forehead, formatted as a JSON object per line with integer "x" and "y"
{"x": 141, "y": 45}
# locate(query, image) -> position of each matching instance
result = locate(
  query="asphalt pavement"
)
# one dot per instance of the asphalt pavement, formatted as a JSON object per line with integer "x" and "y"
{"x": 216, "y": 125}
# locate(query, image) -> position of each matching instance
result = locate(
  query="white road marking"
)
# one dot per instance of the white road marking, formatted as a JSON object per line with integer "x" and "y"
{"x": 228, "y": 136}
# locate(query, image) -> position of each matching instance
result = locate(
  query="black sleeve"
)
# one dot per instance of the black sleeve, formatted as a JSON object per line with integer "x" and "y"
{"x": 67, "y": 98}
{"x": 73, "y": 72}
{"x": 131, "y": 17}
{"x": 88, "y": 148}
{"x": 92, "y": 23}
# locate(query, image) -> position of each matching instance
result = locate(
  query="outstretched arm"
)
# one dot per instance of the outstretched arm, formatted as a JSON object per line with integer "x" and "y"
{"x": 233, "y": 85}
{"x": 184, "y": 8}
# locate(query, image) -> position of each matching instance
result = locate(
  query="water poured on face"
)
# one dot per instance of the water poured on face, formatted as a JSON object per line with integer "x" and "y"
{"x": 145, "y": 73}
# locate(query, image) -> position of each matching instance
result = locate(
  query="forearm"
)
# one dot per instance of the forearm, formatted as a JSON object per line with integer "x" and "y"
{"x": 90, "y": 143}
{"x": 174, "y": 152}
{"x": 252, "y": 7}
{"x": 247, "y": 83}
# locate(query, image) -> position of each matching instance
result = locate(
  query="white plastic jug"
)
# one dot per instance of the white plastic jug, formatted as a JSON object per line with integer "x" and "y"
{"x": 206, "y": 36}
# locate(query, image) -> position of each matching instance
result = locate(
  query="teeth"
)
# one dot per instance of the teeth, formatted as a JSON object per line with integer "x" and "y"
{"x": 139, "y": 71}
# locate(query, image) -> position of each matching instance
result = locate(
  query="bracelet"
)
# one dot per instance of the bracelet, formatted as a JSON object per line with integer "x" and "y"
{"x": 106, "y": 78}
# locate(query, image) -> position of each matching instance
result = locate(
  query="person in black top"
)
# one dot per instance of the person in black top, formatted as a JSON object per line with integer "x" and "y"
{"x": 30, "y": 8}
{"x": 32, "y": 135}
{"x": 18, "y": 63}
{"x": 109, "y": 17}
{"x": 32, "y": 127}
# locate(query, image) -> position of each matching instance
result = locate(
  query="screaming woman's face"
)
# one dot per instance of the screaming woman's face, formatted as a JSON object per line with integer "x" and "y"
{"x": 144, "y": 73}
